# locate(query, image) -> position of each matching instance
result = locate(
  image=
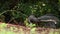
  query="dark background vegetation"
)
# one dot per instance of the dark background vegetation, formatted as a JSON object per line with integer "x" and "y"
{"x": 18, "y": 10}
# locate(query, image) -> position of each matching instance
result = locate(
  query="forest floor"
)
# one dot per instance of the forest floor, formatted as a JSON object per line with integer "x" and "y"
{"x": 17, "y": 29}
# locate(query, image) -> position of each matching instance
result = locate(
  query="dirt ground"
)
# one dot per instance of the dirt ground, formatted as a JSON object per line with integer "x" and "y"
{"x": 17, "y": 29}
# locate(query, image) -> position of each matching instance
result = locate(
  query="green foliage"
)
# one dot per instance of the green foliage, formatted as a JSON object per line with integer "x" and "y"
{"x": 21, "y": 9}
{"x": 31, "y": 25}
{"x": 3, "y": 25}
